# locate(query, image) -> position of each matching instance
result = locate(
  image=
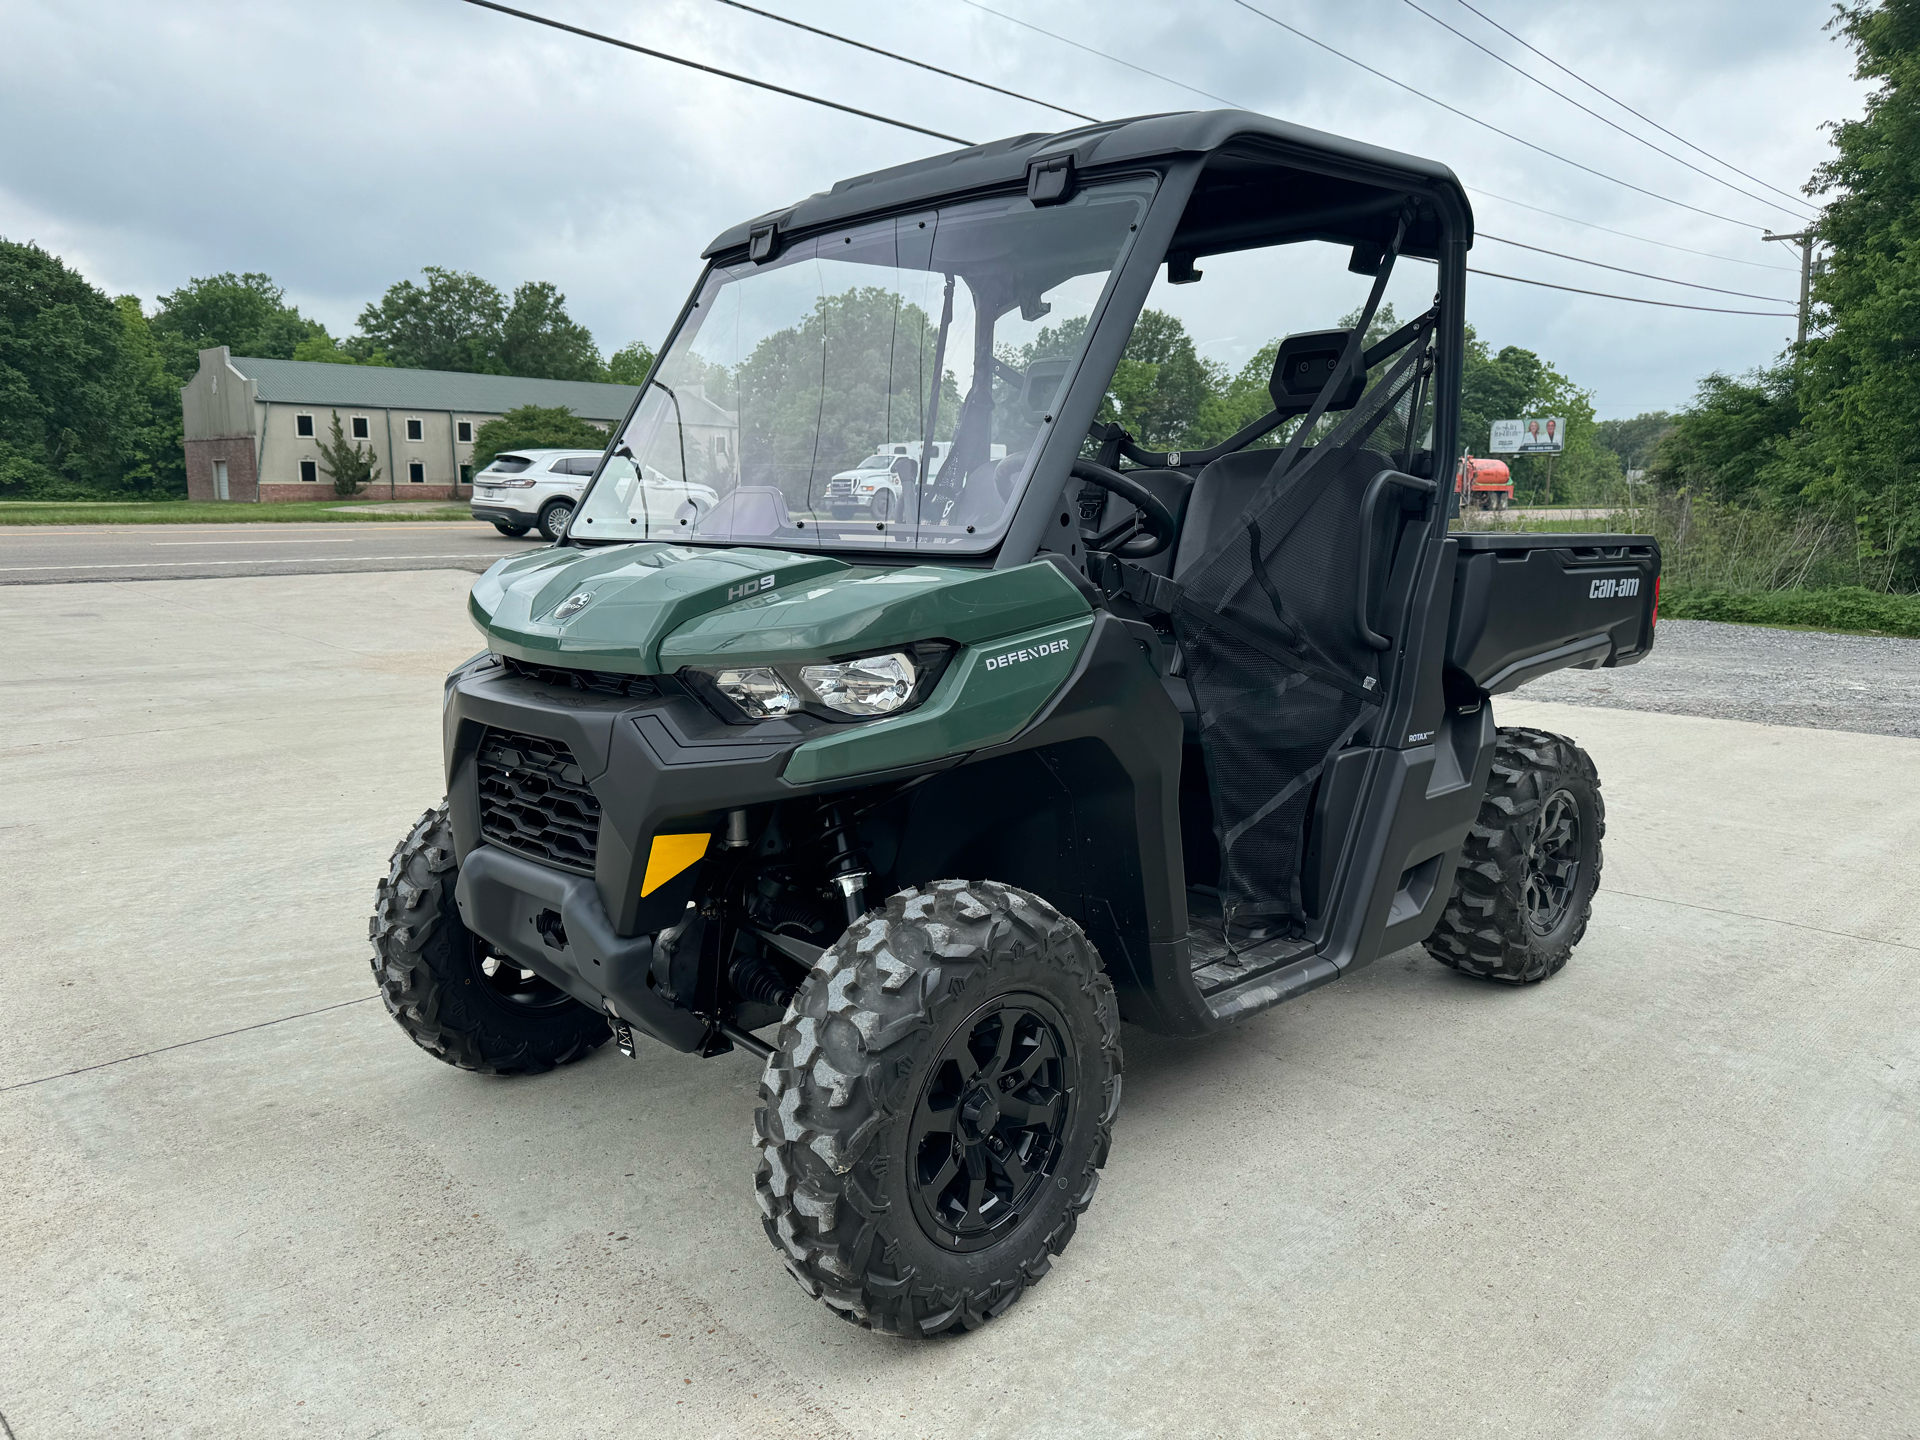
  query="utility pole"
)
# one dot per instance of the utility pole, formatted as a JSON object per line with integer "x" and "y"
{"x": 1805, "y": 239}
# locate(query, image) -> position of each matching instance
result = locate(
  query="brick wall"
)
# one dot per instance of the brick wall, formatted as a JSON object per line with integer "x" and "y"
{"x": 378, "y": 491}
{"x": 238, "y": 452}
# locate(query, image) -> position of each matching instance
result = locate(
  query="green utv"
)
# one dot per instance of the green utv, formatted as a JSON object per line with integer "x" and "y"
{"x": 919, "y": 801}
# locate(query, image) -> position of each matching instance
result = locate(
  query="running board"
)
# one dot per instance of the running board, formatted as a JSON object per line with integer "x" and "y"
{"x": 1236, "y": 983}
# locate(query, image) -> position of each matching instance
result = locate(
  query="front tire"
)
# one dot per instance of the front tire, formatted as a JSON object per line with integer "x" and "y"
{"x": 1530, "y": 865}
{"x": 457, "y": 1002}
{"x": 938, "y": 1107}
{"x": 553, "y": 518}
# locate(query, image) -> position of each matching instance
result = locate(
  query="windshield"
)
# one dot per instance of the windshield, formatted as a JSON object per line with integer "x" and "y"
{"x": 926, "y": 351}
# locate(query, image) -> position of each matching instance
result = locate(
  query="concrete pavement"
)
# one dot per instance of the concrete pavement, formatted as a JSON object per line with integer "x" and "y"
{"x": 1671, "y": 1191}
{"x": 40, "y": 555}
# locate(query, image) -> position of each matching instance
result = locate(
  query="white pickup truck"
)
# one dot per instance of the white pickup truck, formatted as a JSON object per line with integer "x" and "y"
{"x": 874, "y": 487}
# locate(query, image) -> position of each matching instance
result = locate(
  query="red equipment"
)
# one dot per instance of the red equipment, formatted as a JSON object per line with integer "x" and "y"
{"x": 1484, "y": 484}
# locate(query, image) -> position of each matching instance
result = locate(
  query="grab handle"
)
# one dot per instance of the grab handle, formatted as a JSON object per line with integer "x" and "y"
{"x": 1370, "y": 499}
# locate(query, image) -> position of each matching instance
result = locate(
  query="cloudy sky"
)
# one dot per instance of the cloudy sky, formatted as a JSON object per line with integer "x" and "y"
{"x": 340, "y": 145}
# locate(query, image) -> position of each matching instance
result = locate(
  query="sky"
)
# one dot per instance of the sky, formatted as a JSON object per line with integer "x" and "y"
{"x": 341, "y": 145}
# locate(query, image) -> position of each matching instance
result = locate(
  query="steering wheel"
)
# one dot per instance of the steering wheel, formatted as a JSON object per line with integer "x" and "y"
{"x": 1149, "y": 531}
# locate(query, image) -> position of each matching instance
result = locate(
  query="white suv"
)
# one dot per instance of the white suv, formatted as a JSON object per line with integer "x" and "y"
{"x": 521, "y": 489}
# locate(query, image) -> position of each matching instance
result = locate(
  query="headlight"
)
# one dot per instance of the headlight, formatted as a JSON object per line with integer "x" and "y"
{"x": 862, "y": 688}
{"x": 872, "y": 685}
{"x": 758, "y": 691}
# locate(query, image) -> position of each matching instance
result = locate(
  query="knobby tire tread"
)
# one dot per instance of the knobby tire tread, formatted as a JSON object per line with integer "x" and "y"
{"x": 829, "y": 1189}
{"x": 1484, "y": 931}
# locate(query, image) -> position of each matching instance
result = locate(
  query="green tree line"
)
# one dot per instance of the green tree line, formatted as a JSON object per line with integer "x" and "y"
{"x": 90, "y": 384}
{"x": 1804, "y": 472}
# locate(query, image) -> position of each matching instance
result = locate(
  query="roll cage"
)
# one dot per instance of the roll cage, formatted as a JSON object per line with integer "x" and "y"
{"x": 1226, "y": 181}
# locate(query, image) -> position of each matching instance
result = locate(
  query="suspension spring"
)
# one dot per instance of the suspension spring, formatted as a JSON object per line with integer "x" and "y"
{"x": 846, "y": 866}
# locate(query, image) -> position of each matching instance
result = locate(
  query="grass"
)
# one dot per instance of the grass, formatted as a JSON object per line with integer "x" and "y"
{"x": 1850, "y": 608}
{"x": 175, "y": 512}
{"x": 1748, "y": 567}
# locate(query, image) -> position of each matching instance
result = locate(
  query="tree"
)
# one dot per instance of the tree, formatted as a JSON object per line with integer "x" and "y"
{"x": 535, "y": 427}
{"x": 65, "y": 389}
{"x": 327, "y": 351}
{"x": 345, "y": 463}
{"x": 458, "y": 321}
{"x": 1161, "y": 385}
{"x": 451, "y": 323}
{"x": 1514, "y": 383}
{"x": 1859, "y": 375}
{"x": 539, "y": 339}
{"x": 149, "y": 421}
{"x": 246, "y": 313}
{"x": 629, "y": 365}
{"x": 1634, "y": 441}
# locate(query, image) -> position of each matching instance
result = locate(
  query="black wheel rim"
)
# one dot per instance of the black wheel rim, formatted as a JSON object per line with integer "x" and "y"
{"x": 1554, "y": 863}
{"x": 988, "y": 1129}
{"x": 512, "y": 985}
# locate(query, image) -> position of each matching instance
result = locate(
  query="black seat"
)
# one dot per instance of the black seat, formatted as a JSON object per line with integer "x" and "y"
{"x": 1221, "y": 493}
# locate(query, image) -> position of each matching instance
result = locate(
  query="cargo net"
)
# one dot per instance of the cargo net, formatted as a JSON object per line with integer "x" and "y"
{"x": 1270, "y": 644}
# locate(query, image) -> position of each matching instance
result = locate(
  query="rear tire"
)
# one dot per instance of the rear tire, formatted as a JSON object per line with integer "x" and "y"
{"x": 433, "y": 973}
{"x": 515, "y": 531}
{"x": 1530, "y": 866}
{"x": 960, "y": 1031}
{"x": 553, "y": 518}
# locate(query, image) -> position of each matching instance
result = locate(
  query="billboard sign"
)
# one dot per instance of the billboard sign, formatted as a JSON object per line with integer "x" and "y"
{"x": 1537, "y": 435}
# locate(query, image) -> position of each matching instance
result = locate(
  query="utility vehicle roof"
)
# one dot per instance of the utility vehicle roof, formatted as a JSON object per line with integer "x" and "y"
{"x": 1261, "y": 173}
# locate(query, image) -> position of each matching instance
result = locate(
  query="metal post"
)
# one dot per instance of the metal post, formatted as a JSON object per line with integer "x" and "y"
{"x": 1804, "y": 239}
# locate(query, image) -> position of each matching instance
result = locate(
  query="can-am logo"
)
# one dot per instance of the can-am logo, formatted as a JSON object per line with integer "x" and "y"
{"x": 1608, "y": 589}
{"x": 573, "y": 605}
{"x": 1015, "y": 657}
{"x": 750, "y": 587}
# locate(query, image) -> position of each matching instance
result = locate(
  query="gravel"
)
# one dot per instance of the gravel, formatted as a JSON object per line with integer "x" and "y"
{"x": 1753, "y": 673}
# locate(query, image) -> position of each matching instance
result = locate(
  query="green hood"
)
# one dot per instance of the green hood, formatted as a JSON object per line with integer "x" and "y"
{"x": 654, "y": 607}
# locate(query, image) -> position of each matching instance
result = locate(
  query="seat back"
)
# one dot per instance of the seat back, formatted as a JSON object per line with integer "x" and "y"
{"x": 1220, "y": 494}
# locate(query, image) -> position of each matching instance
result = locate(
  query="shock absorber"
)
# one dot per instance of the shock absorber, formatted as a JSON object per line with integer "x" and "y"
{"x": 846, "y": 866}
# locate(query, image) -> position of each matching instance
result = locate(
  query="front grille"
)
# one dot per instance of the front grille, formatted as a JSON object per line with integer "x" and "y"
{"x": 534, "y": 801}
{"x": 601, "y": 682}
{"x": 840, "y": 489}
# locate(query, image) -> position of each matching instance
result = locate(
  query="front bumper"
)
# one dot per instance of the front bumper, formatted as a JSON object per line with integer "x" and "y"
{"x": 656, "y": 765}
{"x": 554, "y": 923}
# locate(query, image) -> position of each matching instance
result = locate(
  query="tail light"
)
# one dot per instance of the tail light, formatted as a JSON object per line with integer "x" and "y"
{"x": 1655, "y": 619}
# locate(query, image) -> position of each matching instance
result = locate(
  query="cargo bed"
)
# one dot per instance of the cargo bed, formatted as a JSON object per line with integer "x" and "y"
{"x": 1527, "y": 603}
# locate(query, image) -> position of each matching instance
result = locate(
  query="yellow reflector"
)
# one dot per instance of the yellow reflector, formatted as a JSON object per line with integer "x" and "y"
{"x": 670, "y": 856}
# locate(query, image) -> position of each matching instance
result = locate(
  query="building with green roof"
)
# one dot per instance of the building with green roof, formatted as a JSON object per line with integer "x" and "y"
{"x": 254, "y": 426}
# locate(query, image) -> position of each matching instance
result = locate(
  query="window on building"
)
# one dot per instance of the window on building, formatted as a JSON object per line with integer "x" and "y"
{"x": 309, "y": 472}
{"x": 414, "y": 430}
{"x": 360, "y": 428}
{"x": 416, "y": 471}
{"x": 466, "y": 475}
{"x": 464, "y": 432}
{"x": 303, "y": 425}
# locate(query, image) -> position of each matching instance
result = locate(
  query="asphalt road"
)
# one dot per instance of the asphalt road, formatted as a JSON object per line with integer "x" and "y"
{"x": 38, "y": 555}
{"x": 1671, "y": 1191}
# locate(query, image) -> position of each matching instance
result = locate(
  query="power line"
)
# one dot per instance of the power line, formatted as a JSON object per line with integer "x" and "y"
{"x": 1238, "y": 105}
{"x": 905, "y": 60}
{"x": 1631, "y": 299}
{"x": 1623, "y": 270}
{"x": 938, "y": 135}
{"x": 1627, "y": 107}
{"x": 1486, "y": 125}
{"x": 714, "y": 70}
{"x": 1102, "y": 54}
{"x": 1415, "y": 5}
{"x": 1626, "y": 235}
